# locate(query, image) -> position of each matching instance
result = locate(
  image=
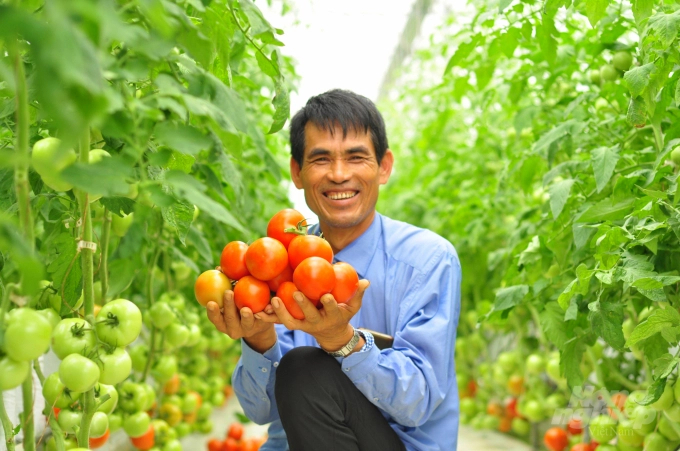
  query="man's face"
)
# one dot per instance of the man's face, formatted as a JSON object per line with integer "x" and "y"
{"x": 341, "y": 176}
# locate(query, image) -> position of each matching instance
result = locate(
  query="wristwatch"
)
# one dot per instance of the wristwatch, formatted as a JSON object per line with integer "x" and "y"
{"x": 349, "y": 347}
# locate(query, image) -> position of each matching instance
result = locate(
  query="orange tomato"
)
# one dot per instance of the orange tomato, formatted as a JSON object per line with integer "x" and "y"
{"x": 145, "y": 442}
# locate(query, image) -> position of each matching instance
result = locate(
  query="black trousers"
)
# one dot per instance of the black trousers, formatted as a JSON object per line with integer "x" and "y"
{"x": 321, "y": 409}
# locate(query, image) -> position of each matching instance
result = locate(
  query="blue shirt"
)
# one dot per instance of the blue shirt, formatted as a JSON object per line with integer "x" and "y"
{"x": 414, "y": 296}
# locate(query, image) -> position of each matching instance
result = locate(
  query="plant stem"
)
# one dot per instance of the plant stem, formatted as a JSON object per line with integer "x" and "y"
{"x": 658, "y": 136}
{"x": 28, "y": 424}
{"x": 57, "y": 433}
{"x": 7, "y": 426}
{"x": 106, "y": 236}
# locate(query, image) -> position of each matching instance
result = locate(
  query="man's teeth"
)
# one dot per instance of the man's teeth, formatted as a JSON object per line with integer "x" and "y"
{"x": 337, "y": 196}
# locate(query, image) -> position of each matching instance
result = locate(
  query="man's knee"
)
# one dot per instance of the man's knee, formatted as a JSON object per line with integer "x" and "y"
{"x": 302, "y": 368}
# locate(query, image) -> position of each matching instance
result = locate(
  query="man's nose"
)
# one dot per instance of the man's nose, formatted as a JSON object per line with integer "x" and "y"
{"x": 340, "y": 170}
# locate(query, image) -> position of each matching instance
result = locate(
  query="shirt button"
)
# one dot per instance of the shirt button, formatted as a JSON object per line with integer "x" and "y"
{"x": 264, "y": 398}
{"x": 375, "y": 399}
{"x": 276, "y": 364}
{"x": 346, "y": 369}
{"x": 264, "y": 370}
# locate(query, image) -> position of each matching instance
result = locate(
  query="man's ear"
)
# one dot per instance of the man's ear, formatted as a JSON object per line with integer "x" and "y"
{"x": 295, "y": 173}
{"x": 386, "y": 166}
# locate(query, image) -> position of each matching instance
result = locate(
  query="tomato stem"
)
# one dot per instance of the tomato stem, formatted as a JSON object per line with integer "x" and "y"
{"x": 7, "y": 426}
{"x": 106, "y": 236}
{"x": 57, "y": 433}
{"x": 27, "y": 423}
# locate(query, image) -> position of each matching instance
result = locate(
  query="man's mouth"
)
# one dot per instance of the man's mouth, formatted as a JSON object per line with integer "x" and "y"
{"x": 339, "y": 195}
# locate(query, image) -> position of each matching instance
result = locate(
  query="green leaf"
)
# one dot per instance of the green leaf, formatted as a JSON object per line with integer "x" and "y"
{"x": 550, "y": 7}
{"x": 106, "y": 177}
{"x": 121, "y": 274}
{"x": 606, "y": 318}
{"x": 658, "y": 320}
{"x": 462, "y": 52}
{"x": 664, "y": 366}
{"x": 604, "y": 161}
{"x": 66, "y": 271}
{"x": 509, "y": 297}
{"x": 179, "y": 216}
{"x": 258, "y": 24}
{"x": 282, "y": 104}
{"x": 553, "y": 324}
{"x": 118, "y": 205}
{"x": 570, "y": 361}
{"x": 664, "y": 27}
{"x": 654, "y": 392}
{"x": 181, "y": 162}
{"x": 637, "y": 112}
{"x": 642, "y": 9}
{"x": 637, "y": 79}
{"x": 595, "y": 10}
{"x": 655, "y": 282}
{"x": 559, "y": 195}
{"x": 569, "y": 127}
{"x": 198, "y": 240}
{"x": 607, "y": 210}
{"x": 183, "y": 138}
{"x": 267, "y": 66}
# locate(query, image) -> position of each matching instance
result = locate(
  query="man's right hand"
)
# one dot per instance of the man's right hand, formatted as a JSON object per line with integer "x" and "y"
{"x": 258, "y": 333}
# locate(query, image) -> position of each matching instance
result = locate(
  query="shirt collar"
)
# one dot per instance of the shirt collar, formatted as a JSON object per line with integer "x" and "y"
{"x": 359, "y": 252}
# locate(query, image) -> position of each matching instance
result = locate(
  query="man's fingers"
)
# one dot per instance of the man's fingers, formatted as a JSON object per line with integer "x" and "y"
{"x": 247, "y": 319}
{"x": 216, "y": 317}
{"x": 310, "y": 311}
{"x": 355, "y": 302}
{"x": 231, "y": 314}
{"x": 330, "y": 306}
{"x": 283, "y": 315}
{"x": 268, "y": 317}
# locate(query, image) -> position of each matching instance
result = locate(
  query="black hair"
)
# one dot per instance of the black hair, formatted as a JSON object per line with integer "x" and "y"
{"x": 347, "y": 109}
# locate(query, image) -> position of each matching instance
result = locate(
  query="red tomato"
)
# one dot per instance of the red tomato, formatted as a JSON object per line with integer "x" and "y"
{"x": 619, "y": 400}
{"x": 285, "y": 293}
{"x": 56, "y": 412}
{"x": 146, "y": 441}
{"x": 210, "y": 286}
{"x": 593, "y": 445}
{"x": 172, "y": 386}
{"x": 231, "y": 444}
{"x": 250, "y": 445}
{"x": 494, "y": 408}
{"x": 306, "y": 246}
{"x": 285, "y": 276}
{"x": 346, "y": 280}
{"x": 252, "y": 293}
{"x": 556, "y": 439}
{"x": 472, "y": 388}
{"x": 581, "y": 447}
{"x": 215, "y": 445}
{"x": 575, "y": 426}
{"x": 99, "y": 441}
{"x": 266, "y": 258}
{"x": 235, "y": 431}
{"x": 314, "y": 277}
{"x": 511, "y": 408}
{"x": 233, "y": 260}
{"x": 285, "y": 219}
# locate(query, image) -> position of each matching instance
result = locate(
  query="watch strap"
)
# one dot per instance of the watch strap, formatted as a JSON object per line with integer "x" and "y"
{"x": 349, "y": 347}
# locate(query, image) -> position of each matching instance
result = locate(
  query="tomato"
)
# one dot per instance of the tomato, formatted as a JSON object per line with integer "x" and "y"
{"x": 666, "y": 428}
{"x": 215, "y": 445}
{"x": 137, "y": 424}
{"x": 520, "y": 427}
{"x": 516, "y": 384}
{"x": 602, "y": 428}
{"x": 164, "y": 368}
{"x": 666, "y": 399}
{"x": 656, "y": 442}
{"x": 194, "y": 335}
{"x": 115, "y": 366}
{"x": 580, "y": 447}
{"x": 131, "y": 397}
{"x": 171, "y": 413}
{"x": 252, "y": 293}
{"x": 27, "y": 336}
{"x": 306, "y": 246}
{"x": 121, "y": 224}
{"x": 314, "y": 277}
{"x": 533, "y": 410}
{"x": 138, "y": 355}
{"x": 56, "y": 394}
{"x": 266, "y": 258}
{"x": 204, "y": 411}
{"x": 231, "y": 444}
{"x": 98, "y": 442}
{"x": 233, "y": 260}
{"x": 191, "y": 402}
{"x": 608, "y": 73}
{"x": 535, "y": 364}
{"x": 144, "y": 442}
{"x": 210, "y": 287}
{"x": 627, "y": 434}
{"x": 494, "y": 409}
{"x": 511, "y": 408}
{"x": 49, "y": 158}
{"x": 175, "y": 300}
{"x": 619, "y": 400}
{"x": 51, "y": 316}
{"x": 99, "y": 424}
{"x": 285, "y": 276}
{"x": 286, "y": 225}
{"x": 622, "y": 60}
{"x": 505, "y": 424}
{"x": 69, "y": 420}
{"x": 173, "y": 445}
{"x": 172, "y": 386}
{"x": 217, "y": 399}
{"x": 575, "y": 426}
{"x": 235, "y": 431}
{"x": 183, "y": 429}
{"x": 285, "y": 293}
{"x": 100, "y": 391}
{"x": 78, "y": 373}
{"x": 150, "y": 397}
{"x": 632, "y": 401}
{"x": 675, "y": 155}
{"x": 73, "y": 336}
{"x": 115, "y": 422}
{"x": 162, "y": 315}
{"x": 119, "y": 322}
{"x": 13, "y": 373}
{"x": 346, "y": 282}
{"x": 556, "y": 439}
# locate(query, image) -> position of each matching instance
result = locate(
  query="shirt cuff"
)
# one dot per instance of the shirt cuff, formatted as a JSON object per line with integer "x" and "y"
{"x": 260, "y": 364}
{"x": 359, "y": 364}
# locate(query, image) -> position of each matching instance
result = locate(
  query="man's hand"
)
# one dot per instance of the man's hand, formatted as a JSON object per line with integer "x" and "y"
{"x": 257, "y": 330}
{"x": 328, "y": 325}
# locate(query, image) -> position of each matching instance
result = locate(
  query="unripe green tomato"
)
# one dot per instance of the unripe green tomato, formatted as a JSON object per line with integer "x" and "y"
{"x": 49, "y": 159}
{"x": 676, "y": 391}
{"x": 172, "y": 445}
{"x": 204, "y": 427}
{"x": 507, "y": 361}
{"x": 115, "y": 422}
{"x": 535, "y": 364}
{"x": 478, "y": 421}
{"x": 162, "y": 315}
{"x": 137, "y": 424}
{"x": 217, "y": 399}
{"x": 627, "y": 435}
{"x": 177, "y": 335}
{"x": 595, "y": 77}
{"x": 139, "y": 355}
{"x": 675, "y": 155}
{"x": 194, "y": 335}
{"x": 150, "y": 397}
{"x": 491, "y": 422}
{"x": 552, "y": 368}
{"x": 666, "y": 400}
{"x": 534, "y": 411}
{"x": 468, "y": 406}
{"x": 622, "y": 60}
{"x": 627, "y": 327}
{"x": 643, "y": 420}
{"x": 69, "y": 420}
{"x": 602, "y": 428}
{"x": 655, "y": 441}
{"x": 95, "y": 156}
{"x": 204, "y": 411}
{"x": 13, "y": 373}
{"x": 556, "y": 401}
{"x": 27, "y": 335}
{"x": 633, "y": 401}
{"x": 668, "y": 429}
{"x": 608, "y": 73}
{"x": 99, "y": 424}
{"x": 133, "y": 190}
{"x": 520, "y": 427}
{"x": 500, "y": 376}
{"x": 601, "y": 104}
{"x": 183, "y": 429}
{"x": 50, "y": 315}
{"x": 121, "y": 225}
{"x": 673, "y": 413}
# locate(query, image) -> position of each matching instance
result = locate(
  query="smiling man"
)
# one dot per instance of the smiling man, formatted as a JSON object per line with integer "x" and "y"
{"x": 322, "y": 382}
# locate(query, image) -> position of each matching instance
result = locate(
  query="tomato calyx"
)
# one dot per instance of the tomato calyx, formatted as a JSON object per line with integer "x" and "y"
{"x": 111, "y": 320}
{"x": 299, "y": 229}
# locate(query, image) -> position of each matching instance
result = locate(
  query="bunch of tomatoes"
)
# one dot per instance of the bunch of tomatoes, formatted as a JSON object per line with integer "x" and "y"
{"x": 234, "y": 441}
{"x": 286, "y": 261}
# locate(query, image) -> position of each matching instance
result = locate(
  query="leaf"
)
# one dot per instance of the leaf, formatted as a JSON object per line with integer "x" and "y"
{"x": 509, "y": 297}
{"x": 570, "y": 361}
{"x": 282, "y": 104}
{"x": 569, "y": 127}
{"x": 106, "y": 177}
{"x": 655, "y": 282}
{"x": 642, "y": 9}
{"x": 179, "y": 216}
{"x": 607, "y": 318}
{"x": 607, "y": 210}
{"x": 199, "y": 241}
{"x": 462, "y": 52}
{"x": 550, "y": 7}
{"x": 66, "y": 271}
{"x": 664, "y": 366}
{"x": 118, "y": 204}
{"x": 559, "y": 194}
{"x": 664, "y": 27}
{"x": 121, "y": 274}
{"x": 658, "y": 320}
{"x": 183, "y": 138}
{"x": 637, "y": 79}
{"x": 258, "y": 24}
{"x": 637, "y": 112}
{"x": 267, "y": 66}
{"x": 595, "y": 10}
{"x": 181, "y": 162}
{"x": 553, "y": 324}
{"x": 654, "y": 392}
{"x": 604, "y": 161}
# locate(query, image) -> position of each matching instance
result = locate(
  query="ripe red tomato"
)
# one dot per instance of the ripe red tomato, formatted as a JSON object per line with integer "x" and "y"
{"x": 314, "y": 277}
{"x": 285, "y": 219}
{"x": 306, "y": 246}
{"x": 619, "y": 400}
{"x": 575, "y": 426}
{"x": 494, "y": 408}
{"x": 285, "y": 293}
{"x": 210, "y": 286}
{"x": 231, "y": 444}
{"x": 346, "y": 280}
{"x": 252, "y": 293}
{"x": 511, "y": 408}
{"x": 100, "y": 441}
{"x": 581, "y": 447}
{"x": 285, "y": 276}
{"x": 146, "y": 441}
{"x": 266, "y": 258}
{"x": 556, "y": 439}
{"x": 235, "y": 431}
{"x": 505, "y": 425}
{"x": 215, "y": 445}
{"x": 233, "y": 260}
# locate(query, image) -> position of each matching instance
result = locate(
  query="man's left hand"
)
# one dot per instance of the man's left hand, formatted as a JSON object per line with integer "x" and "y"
{"x": 328, "y": 325}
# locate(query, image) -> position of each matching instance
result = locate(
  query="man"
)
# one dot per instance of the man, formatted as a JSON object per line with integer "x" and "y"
{"x": 321, "y": 383}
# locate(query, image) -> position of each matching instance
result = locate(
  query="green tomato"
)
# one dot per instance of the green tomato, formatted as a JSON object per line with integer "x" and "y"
{"x": 627, "y": 435}
{"x": 183, "y": 429}
{"x": 675, "y": 155}
{"x": 555, "y": 401}
{"x": 199, "y": 364}
{"x": 643, "y": 419}
{"x": 602, "y": 428}
{"x": 73, "y": 336}
{"x": 507, "y": 361}
{"x": 633, "y": 401}
{"x": 69, "y": 420}
{"x": 676, "y": 391}
{"x": 205, "y": 427}
{"x": 175, "y": 300}
{"x": 162, "y": 432}
{"x": 51, "y": 316}
{"x": 172, "y": 445}
{"x": 56, "y": 394}
{"x": 132, "y": 397}
{"x": 203, "y": 412}
{"x": 150, "y": 396}
{"x": 100, "y": 391}
{"x": 49, "y": 158}
{"x": 139, "y": 354}
{"x": 99, "y": 424}
{"x": 520, "y": 427}
{"x": 13, "y": 373}
{"x": 181, "y": 270}
{"x": 136, "y": 424}
{"x": 666, "y": 399}
{"x": 468, "y": 406}
{"x": 194, "y": 335}
{"x": 622, "y": 60}
{"x": 27, "y": 336}
{"x": 669, "y": 429}
{"x": 535, "y": 364}
{"x": 115, "y": 422}
{"x": 115, "y": 367}
{"x": 119, "y": 323}
{"x": 162, "y": 315}
{"x": 121, "y": 225}
{"x": 78, "y": 373}
{"x": 190, "y": 402}
{"x": 608, "y": 72}
{"x": 217, "y": 398}
{"x": 164, "y": 368}
{"x": 656, "y": 442}
{"x": 595, "y": 77}
{"x": 552, "y": 368}
{"x": 533, "y": 410}
{"x": 176, "y": 335}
